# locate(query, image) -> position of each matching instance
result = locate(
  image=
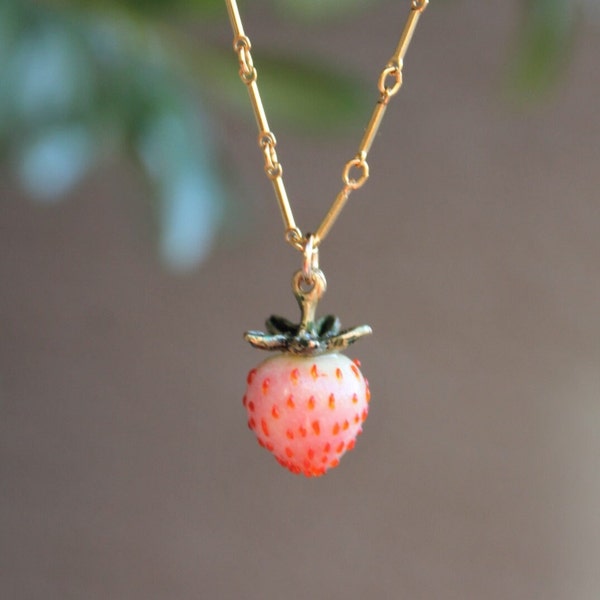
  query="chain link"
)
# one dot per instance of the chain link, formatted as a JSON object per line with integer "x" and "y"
{"x": 356, "y": 171}
{"x": 241, "y": 45}
{"x": 393, "y": 73}
{"x": 273, "y": 168}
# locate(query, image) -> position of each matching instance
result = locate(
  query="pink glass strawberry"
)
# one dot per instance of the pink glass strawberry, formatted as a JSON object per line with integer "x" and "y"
{"x": 307, "y": 404}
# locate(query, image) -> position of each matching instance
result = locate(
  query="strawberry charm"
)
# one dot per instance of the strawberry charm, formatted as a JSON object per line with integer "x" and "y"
{"x": 307, "y": 404}
{"x": 307, "y": 410}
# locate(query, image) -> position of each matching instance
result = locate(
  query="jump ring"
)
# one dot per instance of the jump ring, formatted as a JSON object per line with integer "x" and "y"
{"x": 357, "y": 163}
{"x": 394, "y": 72}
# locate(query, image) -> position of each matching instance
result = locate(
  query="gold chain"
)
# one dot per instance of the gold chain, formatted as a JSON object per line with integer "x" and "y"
{"x": 356, "y": 170}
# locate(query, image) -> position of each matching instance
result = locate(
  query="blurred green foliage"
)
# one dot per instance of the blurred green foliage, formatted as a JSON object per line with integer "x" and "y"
{"x": 83, "y": 79}
{"x": 545, "y": 43}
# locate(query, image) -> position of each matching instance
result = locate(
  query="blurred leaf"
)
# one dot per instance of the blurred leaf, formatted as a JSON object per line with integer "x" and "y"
{"x": 189, "y": 216}
{"x": 546, "y": 40}
{"x": 55, "y": 160}
{"x": 298, "y": 92}
{"x": 49, "y": 74}
{"x": 174, "y": 151}
{"x": 147, "y": 8}
{"x": 319, "y": 9}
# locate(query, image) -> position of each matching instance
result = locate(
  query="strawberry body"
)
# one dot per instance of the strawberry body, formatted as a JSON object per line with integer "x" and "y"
{"x": 307, "y": 410}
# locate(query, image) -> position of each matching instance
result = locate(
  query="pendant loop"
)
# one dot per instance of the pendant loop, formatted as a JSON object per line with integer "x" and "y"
{"x": 308, "y": 293}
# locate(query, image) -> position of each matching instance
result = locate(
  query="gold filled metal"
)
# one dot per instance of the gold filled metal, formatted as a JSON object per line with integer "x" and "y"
{"x": 356, "y": 171}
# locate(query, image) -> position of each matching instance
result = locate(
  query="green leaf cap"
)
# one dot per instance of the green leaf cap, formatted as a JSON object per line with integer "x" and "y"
{"x": 311, "y": 336}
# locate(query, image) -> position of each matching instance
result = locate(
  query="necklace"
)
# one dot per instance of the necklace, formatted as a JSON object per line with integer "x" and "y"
{"x": 307, "y": 404}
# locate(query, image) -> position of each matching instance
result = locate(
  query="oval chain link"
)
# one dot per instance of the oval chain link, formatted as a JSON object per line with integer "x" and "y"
{"x": 267, "y": 141}
{"x": 356, "y": 171}
{"x": 242, "y": 46}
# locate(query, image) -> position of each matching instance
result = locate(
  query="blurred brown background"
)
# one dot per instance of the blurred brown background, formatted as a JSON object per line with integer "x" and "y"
{"x": 126, "y": 468}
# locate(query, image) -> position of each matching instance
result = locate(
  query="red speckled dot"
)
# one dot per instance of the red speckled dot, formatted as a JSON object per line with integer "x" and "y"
{"x": 264, "y": 427}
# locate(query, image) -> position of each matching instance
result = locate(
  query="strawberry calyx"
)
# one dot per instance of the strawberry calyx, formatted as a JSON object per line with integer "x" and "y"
{"x": 311, "y": 336}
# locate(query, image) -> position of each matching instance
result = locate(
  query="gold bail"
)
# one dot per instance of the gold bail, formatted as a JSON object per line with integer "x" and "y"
{"x": 309, "y": 283}
{"x": 310, "y": 263}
